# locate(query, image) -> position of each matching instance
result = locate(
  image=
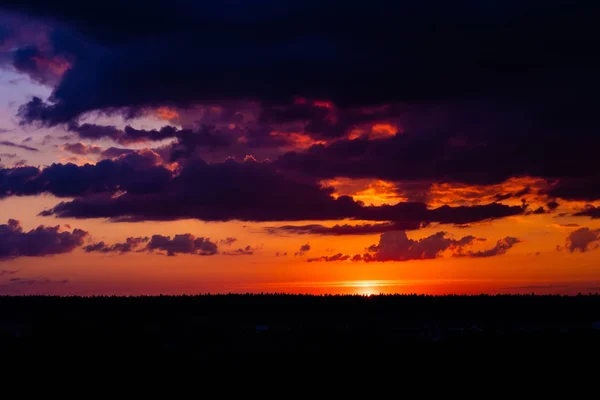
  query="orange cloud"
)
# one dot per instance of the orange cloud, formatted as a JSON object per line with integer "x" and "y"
{"x": 509, "y": 192}
{"x": 383, "y": 130}
{"x": 369, "y": 191}
{"x": 167, "y": 113}
{"x": 380, "y": 130}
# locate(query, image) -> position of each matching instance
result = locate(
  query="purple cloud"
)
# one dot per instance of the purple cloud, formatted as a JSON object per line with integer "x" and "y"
{"x": 39, "y": 242}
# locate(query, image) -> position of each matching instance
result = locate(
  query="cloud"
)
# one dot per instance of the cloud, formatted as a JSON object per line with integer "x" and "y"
{"x": 448, "y": 115}
{"x": 130, "y": 244}
{"x": 139, "y": 172}
{"x": 303, "y": 249}
{"x": 402, "y": 212}
{"x": 36, "y": 281}
{"x": 39, "y": 242}
{"x": 576, "y": 188}
{"x": 336, "y": 257}
{"x": 125, "y": 136}
{"x": 18, "y": 146}
{"x": 315, "y": 53}
{"x": 180, "y": 244}
{"x": 501, "y": 247}
{"x": 346, "y": 229}
{"x": 212, "y": 192}
{"x": 246, "y": 251}
{"x": 249, "y": 190}
{"x": 228, "y": 241}
{"x": 8, "y": 272}
{"x": 552, "y": 205}
{"x": 396, "y": 246}
{"x": 82, "y": 148}
{"x": 582, "y": 239}
{"x": 589, "y": 211}
{"x": 90, "y": 149}
{"x": 184, "y": 244}
{"x": 186, "y": 144}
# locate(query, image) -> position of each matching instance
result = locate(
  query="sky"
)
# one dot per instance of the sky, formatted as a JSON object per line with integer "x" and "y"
{"x": 302, "y": 147}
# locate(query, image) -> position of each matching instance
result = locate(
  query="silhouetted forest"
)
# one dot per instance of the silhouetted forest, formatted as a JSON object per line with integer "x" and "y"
{"x": 208, "y": 325}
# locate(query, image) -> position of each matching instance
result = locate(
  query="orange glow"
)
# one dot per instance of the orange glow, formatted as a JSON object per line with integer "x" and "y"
{"x": 533, "y": 266}
{"x": 383, "y": 130}
{"x": 297, "y": 140}
{"x": 369, "y": 191}
{"x": 355, "y": 133}
{"x": 167, "y": 113}
{"x": 380, "y": 130}
{"x": 77, "y": 160}
{"x": 454, "y": 194}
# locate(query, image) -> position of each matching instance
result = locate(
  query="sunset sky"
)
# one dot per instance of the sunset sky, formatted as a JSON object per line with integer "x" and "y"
{"x": 299, "y": 146}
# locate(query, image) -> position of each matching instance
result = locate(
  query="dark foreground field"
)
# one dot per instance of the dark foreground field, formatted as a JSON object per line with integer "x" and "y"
{"x": 354, "y": 326}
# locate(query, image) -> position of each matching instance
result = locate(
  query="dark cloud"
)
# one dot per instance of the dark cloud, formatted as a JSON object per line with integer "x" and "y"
{"x": 346, "y": 229}
{"x": 97, "y": 132}
{"x": 82, "y": 149}
{"x": 396, "y": 246}
{"x": 115, "y": 152}
{"x": 36, "y": 281}
{"x": 250, "y": 191}
{"x": 90, "y": 149}
{"x": 457, "y": 148}
{"x": 180, "y": 244}
{"x": 183, "y": 244}
{"x": 39, "y": 242}
{"x": 246, "y": 251}
{"x": 582, "y": 239}
{"x": 138, "y": 172}
{"x": 351, "y": 54}
{"x": 539, "y": 210}
{"x": 16, "y": 145}
{"x": 589, "y": 211}
{"x": 125, "y": 136}
{"x": 8, "y": 272}
{"x": 213, "y": 192}
{"x": 323, "y": 120}
{"x": 336, "y": 257}
{"x": 462, "y": 84}
{"x": 583, "y": 187}
{"x": 228, "y": 241}
{"x": 42, "y": 66}
{"x": 501, "y": 247}
{"x": 303, "y": 249}
{"x": 186, "y": 143}
{"x": 130, "y": 244}
{"x": 404, "y": 212}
